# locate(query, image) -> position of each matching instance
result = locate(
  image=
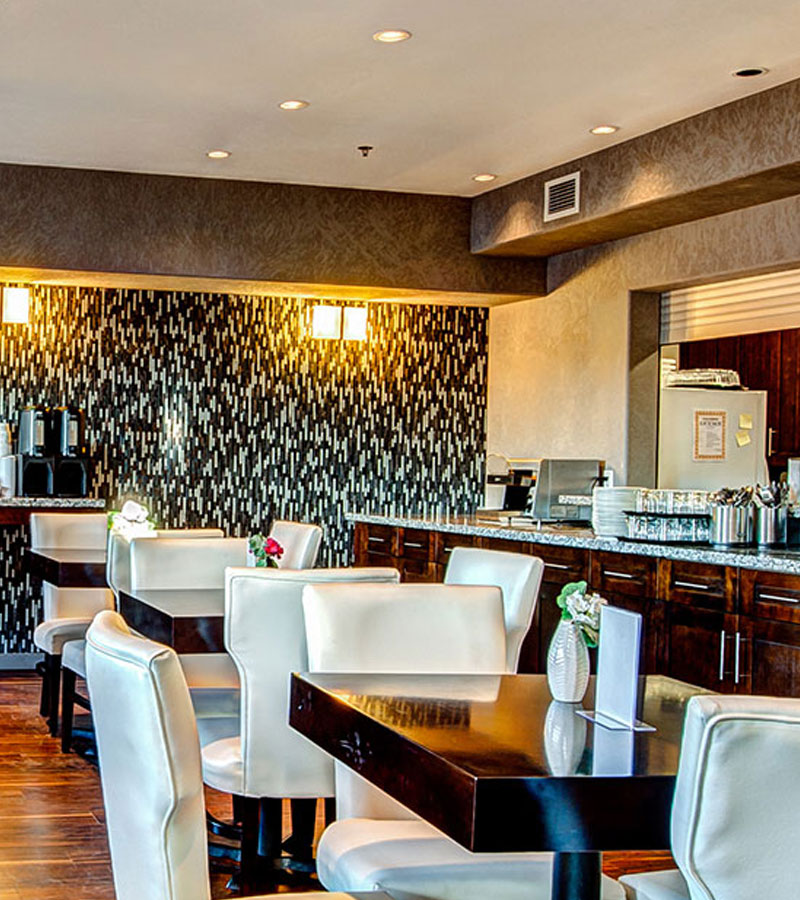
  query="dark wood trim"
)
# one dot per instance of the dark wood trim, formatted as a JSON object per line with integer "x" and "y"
{"x": 65, "y": 574}
{"x": 185, "y": 634}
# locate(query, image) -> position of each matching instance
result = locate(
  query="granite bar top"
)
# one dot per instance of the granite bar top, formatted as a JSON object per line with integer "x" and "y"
{"x": 786, "y": 561}
{"x": 52, "y": 502}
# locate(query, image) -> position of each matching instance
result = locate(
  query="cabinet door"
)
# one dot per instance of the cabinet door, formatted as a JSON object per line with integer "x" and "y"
{"x": 701, "y": 646}
{"x": 770, "y": 658}
{"x": 629, "y": 582}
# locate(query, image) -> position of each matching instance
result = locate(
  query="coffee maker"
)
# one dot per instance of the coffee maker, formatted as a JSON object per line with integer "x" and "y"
{"x": 71, "y": 478}
{"x": 35, "y": 459}
{"x": 53, "y": 458}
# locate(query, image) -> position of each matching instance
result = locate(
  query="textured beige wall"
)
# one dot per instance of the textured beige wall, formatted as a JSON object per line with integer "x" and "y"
{"x": 558, "y": 365}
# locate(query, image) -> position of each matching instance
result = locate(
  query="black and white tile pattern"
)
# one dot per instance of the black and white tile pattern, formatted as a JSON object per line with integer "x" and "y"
{"x": 217, "y": 409}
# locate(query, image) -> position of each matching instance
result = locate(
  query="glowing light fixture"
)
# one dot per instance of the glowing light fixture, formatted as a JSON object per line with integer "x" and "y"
{"x": 293, "y": 104}
{"x": 391, "y": 35}
{"x": 604, "y": 129}
{"x": 484, "y": 176}
{"x": 16, "y": 304}
{"x": 218, "y": 154}
{"x": 355, "y": 323}
{"x": 326, "y": 322}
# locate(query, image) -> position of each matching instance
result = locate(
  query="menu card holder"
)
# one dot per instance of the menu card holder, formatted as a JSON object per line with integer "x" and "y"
{"x": 617, "y": 689}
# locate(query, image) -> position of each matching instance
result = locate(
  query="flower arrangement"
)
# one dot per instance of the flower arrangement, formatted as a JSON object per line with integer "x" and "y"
{"x": 266, "y": 551}
{"x": 133, "y": 520}
{"x": 583, "y": 609}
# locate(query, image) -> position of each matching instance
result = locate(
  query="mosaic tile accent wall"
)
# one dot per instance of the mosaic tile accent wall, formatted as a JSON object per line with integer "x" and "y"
{"x": 217, "y": 409}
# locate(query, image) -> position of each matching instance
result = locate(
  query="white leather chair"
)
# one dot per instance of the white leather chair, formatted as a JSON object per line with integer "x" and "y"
{"x": 518, "y": 575}
{"x": 153, "y": 797}
{"x": 194, "y": 563}
{"x": 379, "y": 844}
{"x": 735, "y": 813}
{"x": 265, "y": 636}
{"x": 118, "y": 568}
{"x": 67, "y": 612}
{"x": 118, "y": 560}
{"x": 300, "y": 542}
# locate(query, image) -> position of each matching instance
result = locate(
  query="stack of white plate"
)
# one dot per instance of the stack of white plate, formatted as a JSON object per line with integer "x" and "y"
{"x": 608, "y": 505}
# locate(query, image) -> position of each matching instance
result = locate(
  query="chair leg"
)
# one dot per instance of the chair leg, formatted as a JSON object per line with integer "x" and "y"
{"x": 330, "y": 811}
{"x": 304, "y": 815}
{"x": 53, "y": 679}
{"x": 248, "y": 866}
{"x": 41, "y": 668}
{"x": 67, "y": 708}
{"x": 270, "y": 827}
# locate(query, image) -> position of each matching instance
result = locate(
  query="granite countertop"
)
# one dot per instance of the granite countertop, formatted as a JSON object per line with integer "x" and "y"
{"x": 50, "y": 502}
{"x": 779, "y": 560}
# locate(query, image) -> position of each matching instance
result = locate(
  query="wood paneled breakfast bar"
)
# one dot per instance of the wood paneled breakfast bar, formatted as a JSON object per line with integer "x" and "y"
{"x": 722, "y": 619}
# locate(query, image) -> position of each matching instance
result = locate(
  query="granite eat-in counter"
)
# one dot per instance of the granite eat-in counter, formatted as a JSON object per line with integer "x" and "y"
{"x": 725, "y": 619}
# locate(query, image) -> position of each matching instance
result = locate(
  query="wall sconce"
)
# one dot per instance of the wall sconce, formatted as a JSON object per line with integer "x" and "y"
{"x": 326, "y": 322}
{"x": 16, "y": 303}
{"x": 334, "y": 322}
{"x": 355, "y": 323}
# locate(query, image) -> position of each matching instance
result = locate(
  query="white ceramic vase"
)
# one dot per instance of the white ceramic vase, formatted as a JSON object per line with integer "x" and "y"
{"x": 567, "y": 663}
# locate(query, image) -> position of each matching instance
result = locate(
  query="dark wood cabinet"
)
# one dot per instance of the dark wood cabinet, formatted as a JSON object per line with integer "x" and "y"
{"x": 768, "y": 361}
{"x": 630, "y": 582}
{"x": 726, "y": 629}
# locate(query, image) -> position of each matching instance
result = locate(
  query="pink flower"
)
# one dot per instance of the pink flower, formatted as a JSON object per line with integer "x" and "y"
{"x": 273, "y": 548}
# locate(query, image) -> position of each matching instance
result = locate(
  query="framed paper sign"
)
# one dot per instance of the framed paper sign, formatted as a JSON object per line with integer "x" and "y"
{"x": 709, "y": 434}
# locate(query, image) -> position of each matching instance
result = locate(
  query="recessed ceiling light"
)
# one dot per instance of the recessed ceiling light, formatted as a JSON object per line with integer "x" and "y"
{"x": 218, "y": 154}
{"x": 484, "y": 176}
{"x": 391, "y": 35}
{"x": 750, "y": 72}
{"x": 604, "y": 129}
{"x": 293, "y": 104}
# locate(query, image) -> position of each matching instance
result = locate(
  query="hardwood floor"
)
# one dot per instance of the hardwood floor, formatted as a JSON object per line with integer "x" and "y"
{"x": 52, "y": 832}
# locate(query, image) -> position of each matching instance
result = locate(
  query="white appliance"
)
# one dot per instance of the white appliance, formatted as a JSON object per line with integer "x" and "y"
{"x": 708, "y": 439}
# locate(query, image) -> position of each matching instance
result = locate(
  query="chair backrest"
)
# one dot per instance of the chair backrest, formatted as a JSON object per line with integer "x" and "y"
{"x": 519, "y": 577}
{"x": 164, "y": 563}
{"x": 265, "y": 636}
{"x": 74, "y": 603}
{"x": 118, "y": 555}
{"x": 422, "y": 628}
{"x": 735, "y": 813}
{"x": 300, "y": 542}
{"x": 149, "y": 765}
{"x": 69, "y": 531}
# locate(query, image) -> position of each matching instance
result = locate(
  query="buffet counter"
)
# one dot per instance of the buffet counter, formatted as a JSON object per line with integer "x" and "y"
{"x": 778, "y": 560}
{"x": 725, "y": 619}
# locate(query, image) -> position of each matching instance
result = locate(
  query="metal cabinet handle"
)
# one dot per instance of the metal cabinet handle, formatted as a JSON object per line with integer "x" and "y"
{"x": 778, "y": 597}
{"x": 611, "y": 574}
{"x": 413, "y": 544}
{"x": 722, "y": 655}
{"x": 736, "y": 658}
{"x": 555, "y": 566}
{"x": 692, "y": 585}
{"x": 377, "y": 540}
{"x": 771, "y": 432}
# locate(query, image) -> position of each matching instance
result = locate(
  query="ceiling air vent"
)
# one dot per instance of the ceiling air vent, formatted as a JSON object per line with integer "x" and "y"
{"x": 562, "y": 197}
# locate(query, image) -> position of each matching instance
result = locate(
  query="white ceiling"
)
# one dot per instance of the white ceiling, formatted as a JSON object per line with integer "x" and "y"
{"x": 507, "y": 86}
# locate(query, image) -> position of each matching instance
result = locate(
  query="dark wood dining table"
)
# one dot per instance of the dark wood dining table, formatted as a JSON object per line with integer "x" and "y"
{"x": 497, "y": 765}
{"x": 68, "y": 568}
{"x": 189, "y": 621}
